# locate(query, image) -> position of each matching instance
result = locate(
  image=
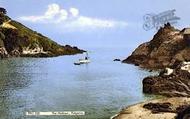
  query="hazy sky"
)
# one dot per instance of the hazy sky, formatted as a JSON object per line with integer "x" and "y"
{"x": 94, "y": 23}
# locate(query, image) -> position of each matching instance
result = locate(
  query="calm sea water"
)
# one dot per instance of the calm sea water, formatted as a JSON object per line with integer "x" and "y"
{"x": 100, "y": 88}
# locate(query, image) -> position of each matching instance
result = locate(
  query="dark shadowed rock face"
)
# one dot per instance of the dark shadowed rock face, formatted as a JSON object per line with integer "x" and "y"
{"x": 176, "y": 83}
{"x": 166, "y": 48}
{"x": 159, "y": 107}
{"x": 3, "y": 51}
{"x": 182, "y": 110}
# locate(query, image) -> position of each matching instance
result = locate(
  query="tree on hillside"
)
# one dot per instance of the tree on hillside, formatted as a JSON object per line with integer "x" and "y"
{"x": 3, "y": 10}
{"x": 3, "y": 16}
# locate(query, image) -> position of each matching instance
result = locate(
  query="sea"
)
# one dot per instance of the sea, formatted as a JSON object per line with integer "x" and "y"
{"x": 100, "y": 89}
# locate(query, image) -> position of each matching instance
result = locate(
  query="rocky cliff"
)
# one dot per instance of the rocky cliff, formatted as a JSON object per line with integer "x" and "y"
{"x": 168, "y": 51}
{"x": 167, "y": 48}
{"x": 19, "y": 40}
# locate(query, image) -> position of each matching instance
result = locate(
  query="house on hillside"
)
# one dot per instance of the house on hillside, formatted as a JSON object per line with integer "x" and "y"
{"x": 186, "y": 35}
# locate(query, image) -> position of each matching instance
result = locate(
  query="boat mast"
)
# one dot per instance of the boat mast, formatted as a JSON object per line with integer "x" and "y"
{"x": 87, "y": 54}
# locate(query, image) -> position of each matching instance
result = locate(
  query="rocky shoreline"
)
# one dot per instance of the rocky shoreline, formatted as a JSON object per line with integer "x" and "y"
{"x": 168, "y": 53}
{"x": 170, "y": 82}
{"x": 166, "y": 108}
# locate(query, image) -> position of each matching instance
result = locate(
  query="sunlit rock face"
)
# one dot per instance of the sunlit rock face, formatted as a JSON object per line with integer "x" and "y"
{"x": 3, "y": 52}
{"x": 36, "y": 50}
{"x": 168, "y": 71}
{"x": 186, "y": 66}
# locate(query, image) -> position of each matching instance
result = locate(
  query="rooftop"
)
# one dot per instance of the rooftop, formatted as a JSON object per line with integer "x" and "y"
{"x": 186, "y": 31}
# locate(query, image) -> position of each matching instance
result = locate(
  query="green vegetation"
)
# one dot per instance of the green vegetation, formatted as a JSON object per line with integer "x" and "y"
{"x": 23, "y": 37}
{"x": 3, "y": 10}
{"x": 3, "y": 18}
{"x": 37, "y": 38}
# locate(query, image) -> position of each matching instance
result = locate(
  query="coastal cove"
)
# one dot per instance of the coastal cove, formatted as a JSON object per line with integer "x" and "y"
{"x": 110, "y": 59}
{"x": 101, "y": 88}
{"x": 169, "y": 52}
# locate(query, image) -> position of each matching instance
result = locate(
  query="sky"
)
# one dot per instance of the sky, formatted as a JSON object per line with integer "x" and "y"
{"x": 94, "y": 23}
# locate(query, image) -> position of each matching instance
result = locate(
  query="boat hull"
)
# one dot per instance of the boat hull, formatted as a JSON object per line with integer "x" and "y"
{"x": 81, "y": 61}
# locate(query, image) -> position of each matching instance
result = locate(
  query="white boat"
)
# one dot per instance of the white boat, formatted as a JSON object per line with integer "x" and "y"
{"x": 83, "y": 61}
{"x": 86, "y": 60}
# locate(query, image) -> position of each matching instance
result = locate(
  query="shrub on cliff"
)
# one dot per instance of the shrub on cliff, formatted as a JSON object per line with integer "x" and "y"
{"x": 3, "y": 16}
{"x": 3, "y": 10}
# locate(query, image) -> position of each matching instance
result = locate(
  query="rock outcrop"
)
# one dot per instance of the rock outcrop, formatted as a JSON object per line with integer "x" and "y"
{"x": 166, "y": 108}
{"x": 176, "y": 83}
{"x": 3, "y": 51}
{"x": 18, "y": 40}
{"x": 117, "y": 60}
{"x": 166, "y": 48}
